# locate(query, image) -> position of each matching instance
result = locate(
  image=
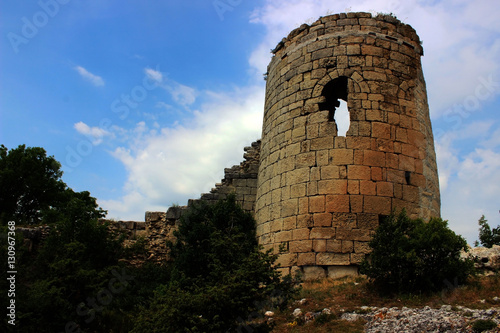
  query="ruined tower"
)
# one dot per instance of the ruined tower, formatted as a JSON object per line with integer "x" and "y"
{"x": 320, "y": 194}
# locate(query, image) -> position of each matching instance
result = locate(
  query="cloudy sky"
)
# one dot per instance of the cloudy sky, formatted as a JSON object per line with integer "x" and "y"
{"x": 145, "y": 103}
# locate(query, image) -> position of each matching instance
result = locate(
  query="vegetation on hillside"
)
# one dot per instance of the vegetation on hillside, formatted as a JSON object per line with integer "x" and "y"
{"x": 488, "y": 237}
{"x": 411, "y": 256}
{"x": 220, "y": 279}
{"x": 76, "y": 280}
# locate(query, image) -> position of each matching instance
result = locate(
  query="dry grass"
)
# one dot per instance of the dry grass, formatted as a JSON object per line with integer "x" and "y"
{"x": 348, "y": 295}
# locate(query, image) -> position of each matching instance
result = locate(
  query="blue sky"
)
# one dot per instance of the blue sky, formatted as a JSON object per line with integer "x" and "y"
{"x": 145, "y": 103}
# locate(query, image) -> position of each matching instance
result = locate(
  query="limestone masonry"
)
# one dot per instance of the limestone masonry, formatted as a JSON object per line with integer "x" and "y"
{"x": 320, "y": 194}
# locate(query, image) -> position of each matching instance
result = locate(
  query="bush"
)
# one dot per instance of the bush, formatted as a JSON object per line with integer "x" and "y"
{"x": 483, "y": 325}
{"x": 487, "y": 236}
{"x": 220, "y": 277}
{"x": 413, "y": 256}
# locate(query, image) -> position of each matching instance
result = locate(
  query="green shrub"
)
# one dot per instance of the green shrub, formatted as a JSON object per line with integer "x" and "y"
{"x": 487, "y": 236}
{"x": 483, "y": 325}
{"x": 410, "y": 256}
{"x": 221, "y": 279}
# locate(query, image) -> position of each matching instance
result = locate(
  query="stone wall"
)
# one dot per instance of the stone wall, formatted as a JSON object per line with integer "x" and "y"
{"x": 240, "y": 179}
{"x": 159, "y": 227}
{"x": 321, "y": 194}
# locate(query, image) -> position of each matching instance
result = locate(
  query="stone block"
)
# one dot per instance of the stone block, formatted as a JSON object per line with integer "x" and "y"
{"x": 358, "y": 142}
{"x": 356, "y": 203}
{"x": 303, "y": 205}
{"x": 334, "y": 245}
{"x": 342, "y": 156}
{"x": 331, "y": 259}
{"x": 322, "y": 158}
{"x": 287, "y": 259}
{"x": 319, "y": 245}
{"x": 353, "y": 49}
{"x": 317, "y": 204}
{"x": 377, "y": 174}
{"x": 289, "y": 207}
{"x": 344, "y": 220}
{"x": 367, "y": 187}
{"x": 358, "y": 172}
{"x": 353, "y": 186}
{"x": 306, "y": 259}
{"x": 154, "y": 216}
{"x": 402, "y": 134}
{"x": 305, "y": 160}
{"x": 338, "y": 272}
{"x": 406, "y": 163}
{"x": 297, "y": 176}
{"x": 362, "y": 247}
{"x": 377, "y": 205}
{"x": 337, "y": 203}
{"x": 385, "y": 189}
{"x": 324, "y": 53}
{"x": 315, "y": 173}
{"x": 410, "y": 193}
{"x": 301, "y": 234}
{"x": 381, "y": 130}
{"x": 322, "y": 233}
{"x": 368, "y": 221}
{"x": 357, "y": 258}
{"x": 322, "y": 143}
{"x": 290, "y": 223}
{"x": 300, "y": 246}
{"x": 305, "y": 221}
{"x": 332, "y": 186}
{"x": 312, "y": 273}
{"x": 298, "y": 190}
{"x": 329, "y": 172}
{"x": 374, "y": 158}
{"x": 410, "y": 150}
{"x": 322, "y": 220}
{"x": 347, "y": 246}
{"x": 283, "y": 236}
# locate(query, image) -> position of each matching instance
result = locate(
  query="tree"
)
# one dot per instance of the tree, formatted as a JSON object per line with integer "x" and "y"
{"x": 220, "y": 277}
{"x": 413, "y": 256}
{"x": 31, "y": 189}
{"x": 487, "y": 236}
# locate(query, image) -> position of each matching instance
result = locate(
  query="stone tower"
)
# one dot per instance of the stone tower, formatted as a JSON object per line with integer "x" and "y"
{"x": 320, "y": 194}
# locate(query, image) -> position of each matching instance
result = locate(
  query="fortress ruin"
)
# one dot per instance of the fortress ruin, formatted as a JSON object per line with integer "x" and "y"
{"x": 321, "y": 194}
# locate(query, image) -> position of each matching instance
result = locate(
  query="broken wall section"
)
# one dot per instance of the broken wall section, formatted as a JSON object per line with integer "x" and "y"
{"x": 159, "y": 227}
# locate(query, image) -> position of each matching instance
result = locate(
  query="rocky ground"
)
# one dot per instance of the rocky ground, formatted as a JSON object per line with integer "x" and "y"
{"x": 426, "y": 319}
{"x": 412, "y": 320}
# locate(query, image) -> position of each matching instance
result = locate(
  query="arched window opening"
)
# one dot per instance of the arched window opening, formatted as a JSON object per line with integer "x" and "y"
{"x": 335, "y": 93}
{"x": 342, "y": 118}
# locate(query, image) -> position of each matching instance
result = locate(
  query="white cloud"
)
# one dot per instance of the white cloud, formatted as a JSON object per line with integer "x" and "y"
{"x": 94, "y": 134}
{"x": 183, "y": 161}
{"x": 154, "y": 75}
{"x": 473, "y": 192}
{"x": 92, "y": 78}
{"x": 181, "y": 94}
{"x": 469, "y": 176}
{"x": 163, "y": 105}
